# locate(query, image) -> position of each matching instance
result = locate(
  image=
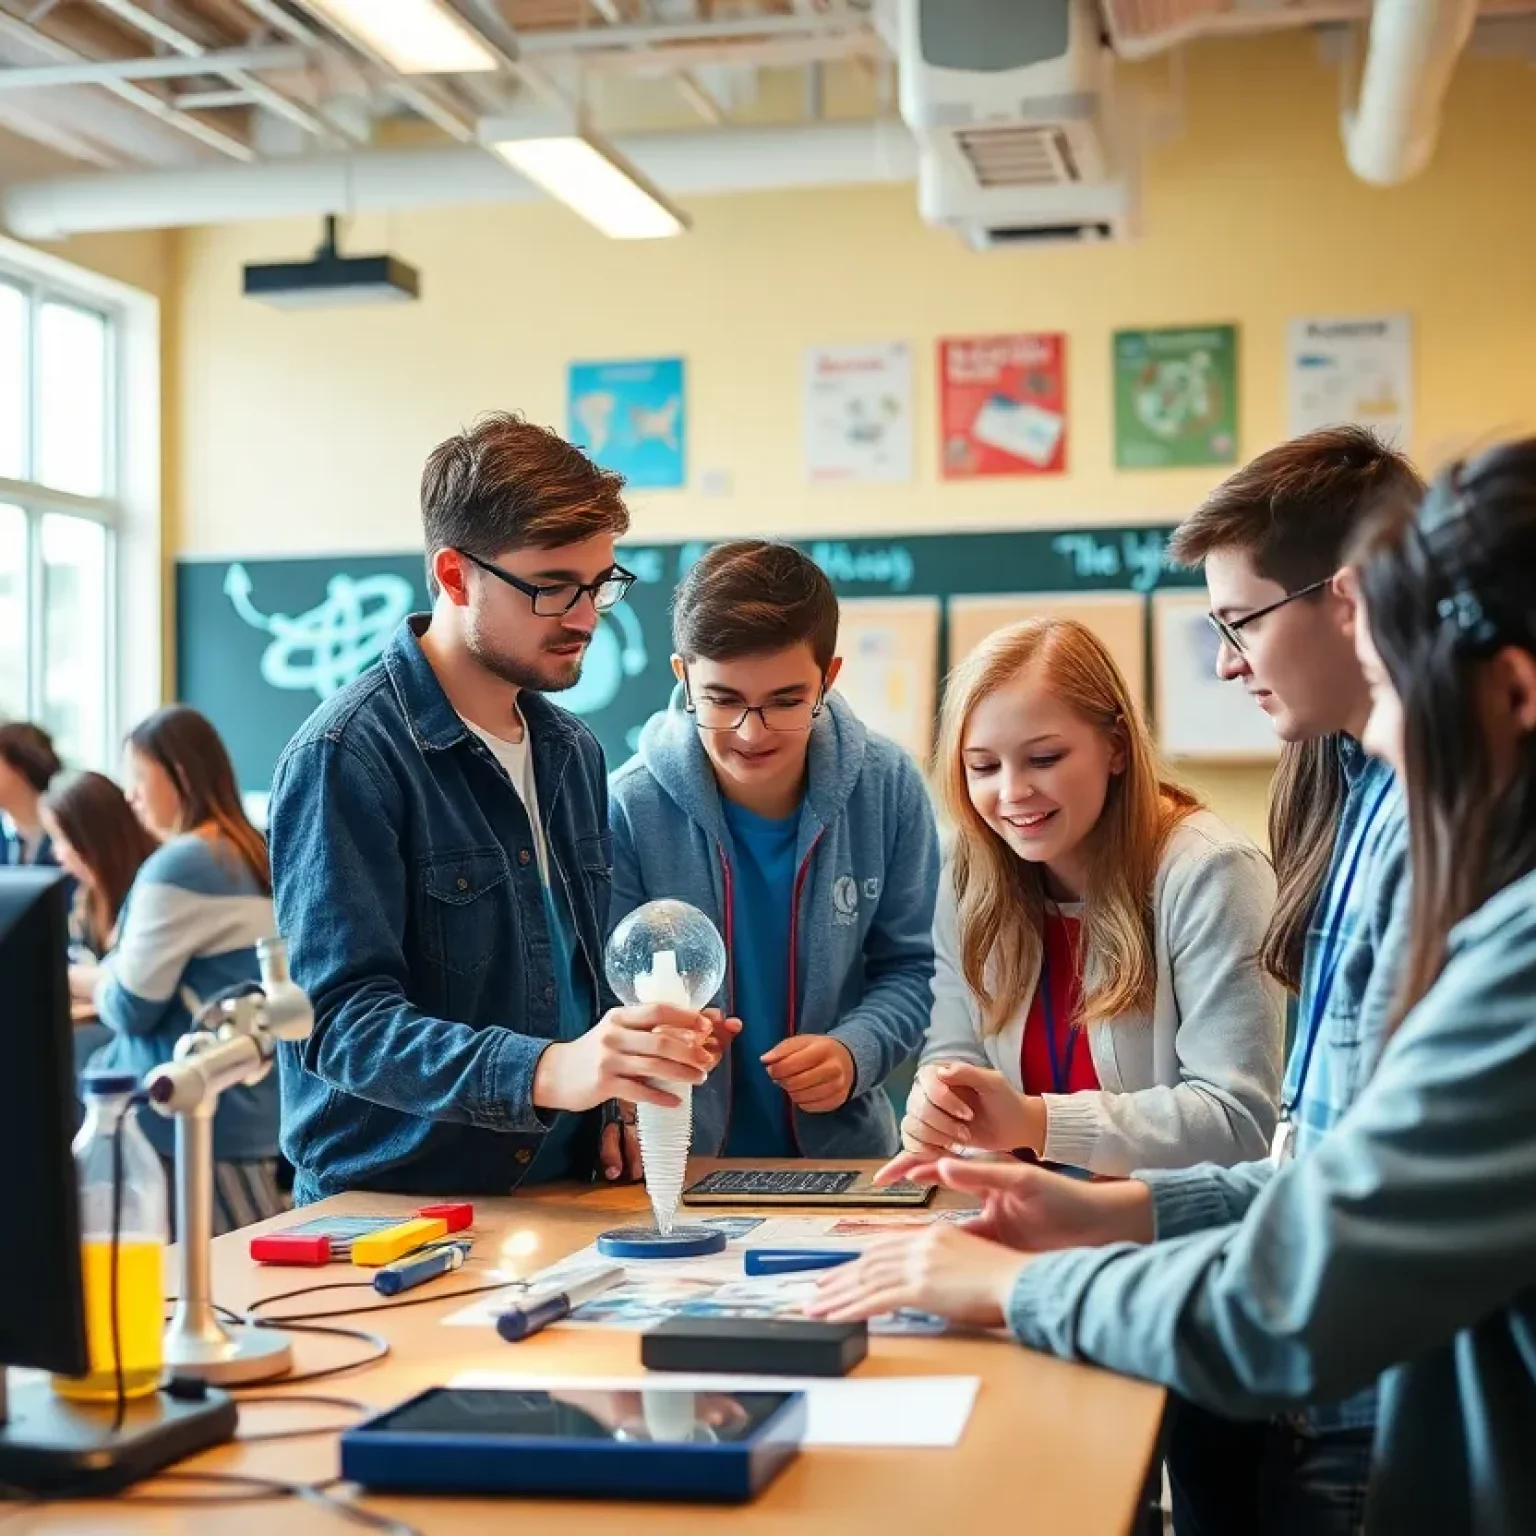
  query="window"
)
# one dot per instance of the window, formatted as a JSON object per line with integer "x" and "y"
{"x": 59, "y": 517}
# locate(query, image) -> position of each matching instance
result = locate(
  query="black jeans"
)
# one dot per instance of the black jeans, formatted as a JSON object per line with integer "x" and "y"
{"x": 1268, "y": 1478}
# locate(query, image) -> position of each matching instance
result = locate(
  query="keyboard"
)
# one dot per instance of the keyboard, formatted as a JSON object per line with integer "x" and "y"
{"x": 801, "y": 1186}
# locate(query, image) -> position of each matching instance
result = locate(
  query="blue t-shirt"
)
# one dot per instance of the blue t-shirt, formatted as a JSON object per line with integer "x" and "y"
{"x": 573, "y": 986}
{"x": 763, "y": 885}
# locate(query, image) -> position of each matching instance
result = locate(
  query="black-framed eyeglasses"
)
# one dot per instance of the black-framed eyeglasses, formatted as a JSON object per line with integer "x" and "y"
{"x": 552, "y": 602}
{"x": 1231, "y": 630}
{"x": 784, "y": 718}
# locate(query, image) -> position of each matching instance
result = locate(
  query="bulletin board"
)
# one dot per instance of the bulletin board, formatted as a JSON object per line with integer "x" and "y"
{"x": 1200, "y": 716}
{"x": 1119, "y": 619}
{"x": 890, "y": 651}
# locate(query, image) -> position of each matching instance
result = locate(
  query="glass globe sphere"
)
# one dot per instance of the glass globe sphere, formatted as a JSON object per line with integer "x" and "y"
{"x": 665, "y": 952}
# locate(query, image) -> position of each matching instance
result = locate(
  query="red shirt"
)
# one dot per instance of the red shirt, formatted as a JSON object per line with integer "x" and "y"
{"x": 1062, "y": 973}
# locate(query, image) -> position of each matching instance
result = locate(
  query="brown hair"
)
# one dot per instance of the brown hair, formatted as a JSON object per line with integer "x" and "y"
{"x": 1445, "y": 587}
{"x": 185, "y": 744}
{"x": 1292, "y": 511}
{"x": 28, "y": 751}
{"x": 1002, "y": 898}
{"x": 506, "y": 484}
{"x": 751, "y": 596}
{"x": 99, "y": 824}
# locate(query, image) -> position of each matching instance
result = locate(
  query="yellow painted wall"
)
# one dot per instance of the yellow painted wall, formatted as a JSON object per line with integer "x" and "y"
{"x": 307, "y": 432}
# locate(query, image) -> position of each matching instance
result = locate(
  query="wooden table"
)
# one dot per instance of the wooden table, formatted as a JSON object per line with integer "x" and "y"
{"x": 1051, "y": 1447}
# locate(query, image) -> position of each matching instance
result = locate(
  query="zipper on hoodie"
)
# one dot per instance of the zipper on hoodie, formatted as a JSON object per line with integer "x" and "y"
{"x": 794, "y": 955}
{"x": 730, "y": 987}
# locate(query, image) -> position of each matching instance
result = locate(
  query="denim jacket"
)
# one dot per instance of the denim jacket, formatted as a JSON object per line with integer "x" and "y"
{"x": 407, "y": 887}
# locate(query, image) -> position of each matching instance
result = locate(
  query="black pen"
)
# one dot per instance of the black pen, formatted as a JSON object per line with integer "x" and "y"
{"x": 546, "y": 1307}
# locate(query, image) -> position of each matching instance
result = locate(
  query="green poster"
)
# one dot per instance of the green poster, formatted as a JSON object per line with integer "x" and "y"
{"x": 1176, "y": 397}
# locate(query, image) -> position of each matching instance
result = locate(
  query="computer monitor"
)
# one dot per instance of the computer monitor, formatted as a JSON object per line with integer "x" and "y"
{"x": 49, "y": 1444}
{"x": 42, "y": 1305}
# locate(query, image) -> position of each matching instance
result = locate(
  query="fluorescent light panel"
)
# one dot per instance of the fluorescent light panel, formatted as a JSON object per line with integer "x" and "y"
{"x": 593, "y": 181}
{"x": 417, "y": 37}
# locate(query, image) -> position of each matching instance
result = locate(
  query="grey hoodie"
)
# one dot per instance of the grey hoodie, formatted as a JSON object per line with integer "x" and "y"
{"x": 861, "y": 945}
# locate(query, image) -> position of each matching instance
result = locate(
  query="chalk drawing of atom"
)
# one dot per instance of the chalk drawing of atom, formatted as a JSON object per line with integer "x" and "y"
{"x": 334, "y": 642}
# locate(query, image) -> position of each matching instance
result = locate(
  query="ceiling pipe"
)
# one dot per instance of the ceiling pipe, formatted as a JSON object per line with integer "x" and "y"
{"x": 682, "y": 164}
{"x": 1390, "y": 134}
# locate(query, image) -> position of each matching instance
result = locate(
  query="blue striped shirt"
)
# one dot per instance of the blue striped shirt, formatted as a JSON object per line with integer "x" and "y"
{"x": 187, "y": 930}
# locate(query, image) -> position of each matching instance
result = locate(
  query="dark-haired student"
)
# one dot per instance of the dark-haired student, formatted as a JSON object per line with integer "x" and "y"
{"x": 187, "y": 929}
{"x": 441, "y": 853}
{"x": 760, "y": 797}
{"x": 102, "y": 846}
{"x": 1404, "y": 1241}
{"x": 28, "y": 763}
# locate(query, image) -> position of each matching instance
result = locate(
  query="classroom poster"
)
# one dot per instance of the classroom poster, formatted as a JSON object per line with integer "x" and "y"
{"x": 1175, "y": 397}
{"x": 1003, "y": 405}
{"x": 631, "y": 417}
{"x": 890, "y": 651}
{"x": 858, "y": 414}
{"x": 1352, "y": 370}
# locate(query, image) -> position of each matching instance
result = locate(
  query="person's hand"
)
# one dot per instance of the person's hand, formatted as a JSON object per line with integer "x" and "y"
{"x": 816, "y": 1071}
{"x": 944, "y": 1270}
{"x": 618, "y": 1151}
{"x": 722, "y": 1031}
{"x": 624, "y": 1056}
{"x": 1030, "y": 1208}
{"x": 954, "y": 1106}
{"x": 82, "y": 982}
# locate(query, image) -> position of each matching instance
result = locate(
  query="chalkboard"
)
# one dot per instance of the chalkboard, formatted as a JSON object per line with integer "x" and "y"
{"x": 259, "y": 643}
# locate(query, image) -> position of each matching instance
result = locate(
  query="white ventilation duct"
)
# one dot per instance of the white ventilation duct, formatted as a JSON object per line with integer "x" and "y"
{"x": 729, "y": 160}
{"x": 1390, "y": 134}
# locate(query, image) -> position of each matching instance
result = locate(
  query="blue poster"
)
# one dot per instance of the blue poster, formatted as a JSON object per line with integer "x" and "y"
{"x": 631, "y": 418}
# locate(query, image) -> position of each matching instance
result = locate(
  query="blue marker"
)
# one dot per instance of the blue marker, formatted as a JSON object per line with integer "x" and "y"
{"x": 789, "y": 1261}
{"x": 417, "y": 1268}
{"x": 547, "y": 1306}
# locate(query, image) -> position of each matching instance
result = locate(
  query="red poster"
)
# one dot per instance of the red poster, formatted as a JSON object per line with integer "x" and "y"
{"x": 1003, "y": 405}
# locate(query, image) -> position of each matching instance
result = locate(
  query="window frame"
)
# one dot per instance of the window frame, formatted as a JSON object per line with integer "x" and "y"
{"x": 42, "y": 280}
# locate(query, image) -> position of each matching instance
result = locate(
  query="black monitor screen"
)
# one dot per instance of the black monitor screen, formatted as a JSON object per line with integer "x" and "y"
{"x": 42, "y": 1311}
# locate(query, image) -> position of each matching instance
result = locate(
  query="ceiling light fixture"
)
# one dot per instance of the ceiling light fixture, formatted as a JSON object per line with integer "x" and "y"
{"x": 588, "y": 175}
{"x": 417, "y": 37}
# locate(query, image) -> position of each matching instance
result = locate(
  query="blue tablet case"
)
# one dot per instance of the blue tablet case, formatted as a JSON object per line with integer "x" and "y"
{"x": 387, "y": 1454}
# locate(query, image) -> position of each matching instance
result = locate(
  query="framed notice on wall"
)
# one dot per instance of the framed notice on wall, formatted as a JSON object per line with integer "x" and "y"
{"x": 1200, "y": 715}
{"x": 631, "y": 417}
{"x": 858, "y": 414}
{"x": 890, "y": 651}
{"x": 1352, "y": 370}
{"x": 1003, "y": 405}
{"x": 1176, "y": 397}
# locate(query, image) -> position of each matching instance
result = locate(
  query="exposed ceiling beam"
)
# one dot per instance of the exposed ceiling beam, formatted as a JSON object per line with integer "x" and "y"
{"x": 211, "y": 101}
{"x": 689, "y": 86}
{"x": 655, "y": 34}
{"x": 28, "y": 125}
{"x": 126, "y": 90}
{"x": 781, "y": 52}
{"x": 99, "y": 71}
{"x": 178, "y": 41}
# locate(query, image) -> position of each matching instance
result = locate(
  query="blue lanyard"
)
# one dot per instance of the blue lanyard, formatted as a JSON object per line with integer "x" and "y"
{"x": 1333, "y": 949}
{"x": 1061, "y": 1073}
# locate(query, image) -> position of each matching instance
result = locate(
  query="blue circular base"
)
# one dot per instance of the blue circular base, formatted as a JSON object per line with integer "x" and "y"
{"x": 648, "y": 1243}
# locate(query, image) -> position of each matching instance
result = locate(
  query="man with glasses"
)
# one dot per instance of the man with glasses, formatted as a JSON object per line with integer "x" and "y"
{"x": 759, "y": 797}
{"x": 441, "y": 864}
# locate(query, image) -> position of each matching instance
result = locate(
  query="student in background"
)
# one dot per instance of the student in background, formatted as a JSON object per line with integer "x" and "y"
{"x": 102, "y": 845}
{"x": 440, "y": 842}
{"x": 189, "y": 929}
{"x": 1404, "y": 1241}
{"x": 1099, "y": 1000}
{"x": 760, "y": 797}
{"x": 28, "y": 763}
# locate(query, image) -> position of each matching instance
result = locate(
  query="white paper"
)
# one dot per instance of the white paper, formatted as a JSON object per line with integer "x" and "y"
{"x": 858, "y": 414}
{"x": 1356, "y": 370}
{"x": 910, "y": 1411}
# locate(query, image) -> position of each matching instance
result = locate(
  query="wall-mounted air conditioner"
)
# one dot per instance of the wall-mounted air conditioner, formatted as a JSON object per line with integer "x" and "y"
{"x": 1012, "y": 105}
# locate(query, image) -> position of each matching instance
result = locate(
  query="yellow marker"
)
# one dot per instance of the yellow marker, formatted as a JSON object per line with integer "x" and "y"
{"x": 387, "y": 1246}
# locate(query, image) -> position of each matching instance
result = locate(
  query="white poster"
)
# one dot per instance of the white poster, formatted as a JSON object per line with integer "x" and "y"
{"x": 1358, "y": 370}
{"x": 858, "y": 413}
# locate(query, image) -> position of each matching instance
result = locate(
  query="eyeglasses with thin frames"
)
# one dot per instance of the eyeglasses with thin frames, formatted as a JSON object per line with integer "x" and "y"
{"x": 553, "y": 602}
{"x": 785, "y": 719}
{"x": 1231, "y": 630}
